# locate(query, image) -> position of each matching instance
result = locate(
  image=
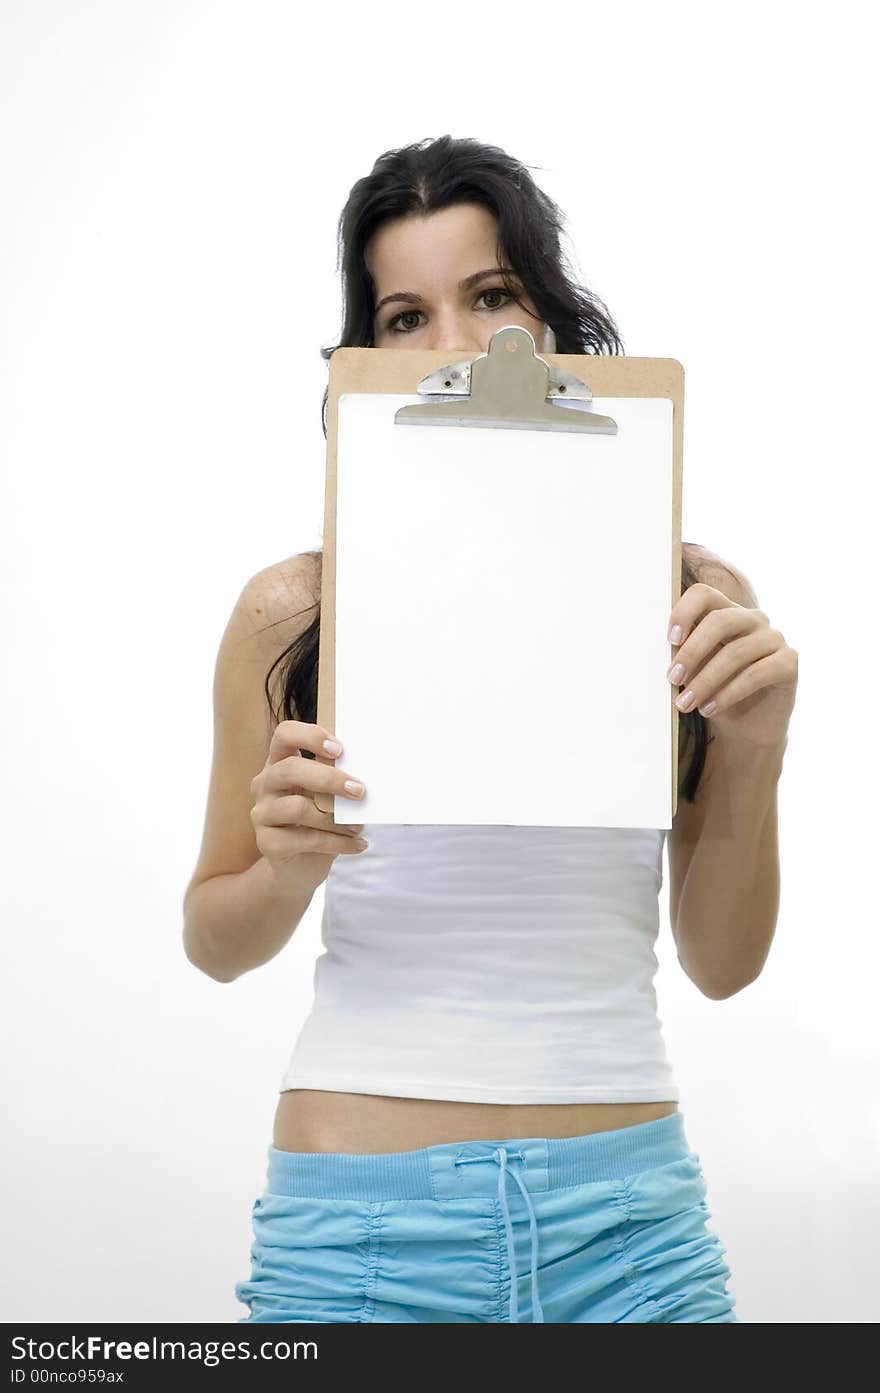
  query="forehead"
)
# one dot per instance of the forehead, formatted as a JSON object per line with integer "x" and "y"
{"x": 432, "y": 250}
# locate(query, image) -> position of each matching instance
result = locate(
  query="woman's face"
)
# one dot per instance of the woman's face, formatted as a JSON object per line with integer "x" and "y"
{"x": 418, "y": 263}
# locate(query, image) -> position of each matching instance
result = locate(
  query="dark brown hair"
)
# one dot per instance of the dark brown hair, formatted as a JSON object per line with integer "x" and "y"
{"x": 423, "y": 178}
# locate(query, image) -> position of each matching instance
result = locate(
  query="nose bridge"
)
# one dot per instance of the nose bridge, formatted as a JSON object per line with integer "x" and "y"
{"x": 452, "y": 327}
{"x": 457, "y": 340}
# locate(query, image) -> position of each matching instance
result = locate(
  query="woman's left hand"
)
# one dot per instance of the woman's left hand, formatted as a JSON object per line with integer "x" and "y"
{"x": 731, "y": 656}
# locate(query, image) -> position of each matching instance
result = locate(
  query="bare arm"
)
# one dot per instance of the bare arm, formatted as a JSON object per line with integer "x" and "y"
{"x": 724, "y": 847}
{"x": 729, "y": 901}
{"x": 266, "y": 846}
{"x": 234, "y": 923}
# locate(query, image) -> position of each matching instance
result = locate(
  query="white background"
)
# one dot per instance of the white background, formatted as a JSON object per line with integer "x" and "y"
{"x": 171, "y": 179}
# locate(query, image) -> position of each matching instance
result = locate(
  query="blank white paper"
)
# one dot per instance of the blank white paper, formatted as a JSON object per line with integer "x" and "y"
{"x": 502, "y": 602}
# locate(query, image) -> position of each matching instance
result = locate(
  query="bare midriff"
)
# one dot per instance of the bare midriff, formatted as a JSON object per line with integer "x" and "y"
{"x": 317, "y": 1120}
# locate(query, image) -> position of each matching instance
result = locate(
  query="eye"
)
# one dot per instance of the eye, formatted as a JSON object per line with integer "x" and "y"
{"x": 496, "y": 290}
{"x": 393, "y": 323}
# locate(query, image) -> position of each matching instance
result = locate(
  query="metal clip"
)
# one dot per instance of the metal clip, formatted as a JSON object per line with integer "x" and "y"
{"x": 508, "y": 386}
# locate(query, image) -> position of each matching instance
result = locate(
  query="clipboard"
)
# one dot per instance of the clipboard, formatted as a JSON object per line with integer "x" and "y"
{"x": 514, "y": 412}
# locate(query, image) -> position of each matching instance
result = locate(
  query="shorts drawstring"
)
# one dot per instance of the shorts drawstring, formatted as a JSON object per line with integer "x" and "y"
{"x": 501, "y": 1155}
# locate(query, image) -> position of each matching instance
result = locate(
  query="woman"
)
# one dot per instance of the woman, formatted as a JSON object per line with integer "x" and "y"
{"x": 479, "y": 1121}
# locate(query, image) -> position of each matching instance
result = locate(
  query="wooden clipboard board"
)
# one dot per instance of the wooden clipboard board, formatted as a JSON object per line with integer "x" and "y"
{"x": 401, "y": 371}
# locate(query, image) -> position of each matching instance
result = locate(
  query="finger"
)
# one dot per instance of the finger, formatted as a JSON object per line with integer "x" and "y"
{"x": 764, "y": 673}
{"x": 727, "y": 669}
{"x": 298, "y": 809}
{"x": 698, "y": 600}
{"x": 292, "y": 737}
{"x": 282, "y": 843}
{"x": 295, "y": 774}
{"x": 717, "y": 628}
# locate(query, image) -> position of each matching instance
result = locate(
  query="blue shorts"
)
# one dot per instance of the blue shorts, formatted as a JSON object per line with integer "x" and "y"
{"x": 606, "y": 1227}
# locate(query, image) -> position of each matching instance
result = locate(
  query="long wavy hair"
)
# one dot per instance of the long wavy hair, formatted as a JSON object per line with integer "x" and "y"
{"x": 423, "y": 178}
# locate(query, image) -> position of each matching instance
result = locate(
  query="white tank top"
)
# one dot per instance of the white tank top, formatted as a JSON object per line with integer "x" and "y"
{"x": 490, "y": 964}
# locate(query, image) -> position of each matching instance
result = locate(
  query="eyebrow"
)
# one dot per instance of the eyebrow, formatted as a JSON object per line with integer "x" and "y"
{"x": 410, "y": 298}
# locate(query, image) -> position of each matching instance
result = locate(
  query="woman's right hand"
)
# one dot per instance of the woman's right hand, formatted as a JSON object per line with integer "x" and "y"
{"x": 291, "y": 831}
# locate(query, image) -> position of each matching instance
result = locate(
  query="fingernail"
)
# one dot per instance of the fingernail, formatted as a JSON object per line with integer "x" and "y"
{"x": 675, "y": 634}
{"x": 333, "y": 747}
{"x": 352, "y": 786}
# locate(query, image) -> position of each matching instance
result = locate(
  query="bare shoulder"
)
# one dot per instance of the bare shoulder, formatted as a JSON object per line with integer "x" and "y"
{"x": 712, "y": 569}
{"x": 280, "y": 601}
{"x": 699, "y": 559}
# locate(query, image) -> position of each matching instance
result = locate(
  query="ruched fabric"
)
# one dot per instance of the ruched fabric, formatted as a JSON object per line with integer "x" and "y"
{"x": 606, "y": 1227}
